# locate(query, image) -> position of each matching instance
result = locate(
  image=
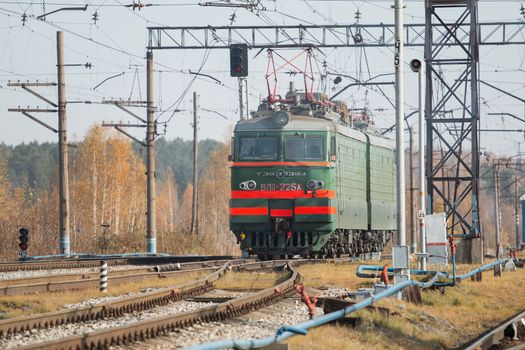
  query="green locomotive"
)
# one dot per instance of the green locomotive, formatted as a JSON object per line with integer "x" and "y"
{"x": 308, "y": 179}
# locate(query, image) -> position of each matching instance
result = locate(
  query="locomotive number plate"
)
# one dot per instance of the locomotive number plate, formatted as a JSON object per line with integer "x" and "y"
{"x": 282, "y": 187}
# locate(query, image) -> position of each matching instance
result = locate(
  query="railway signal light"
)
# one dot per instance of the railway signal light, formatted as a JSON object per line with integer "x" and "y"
{"x": 24, "y": 235}
{"x": 239, "y": 60}
{"x": 24, "y": 239}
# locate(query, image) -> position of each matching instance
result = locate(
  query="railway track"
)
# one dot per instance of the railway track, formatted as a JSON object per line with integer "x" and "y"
{"x": 113, "y": 308}
{"x": 157, "y": 326}
{"x": 56, "y": 264}
{"x": 498, "y": 337}
{"x": 55, "y": 283}
{"x": 95, "y": 262}
{"x": 76, "y": 281}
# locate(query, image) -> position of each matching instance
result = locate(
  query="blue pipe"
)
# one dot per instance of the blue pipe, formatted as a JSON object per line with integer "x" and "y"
{"x": 482, "y": 268}
{"x": 359, "y": 272}
{"x": 286, "y": 332}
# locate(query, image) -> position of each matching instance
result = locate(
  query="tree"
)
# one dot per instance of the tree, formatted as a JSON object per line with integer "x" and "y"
{"x": 214, "y": 203}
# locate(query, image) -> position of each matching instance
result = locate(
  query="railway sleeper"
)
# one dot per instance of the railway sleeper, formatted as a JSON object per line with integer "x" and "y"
{"x": 231, "y": 309}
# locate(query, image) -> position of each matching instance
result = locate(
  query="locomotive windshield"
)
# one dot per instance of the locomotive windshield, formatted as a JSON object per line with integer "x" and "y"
{"x": 263, "y": 148}
{"x": 299, "y": 148}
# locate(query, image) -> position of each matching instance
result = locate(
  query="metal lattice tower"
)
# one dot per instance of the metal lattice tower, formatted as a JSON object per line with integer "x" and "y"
{"x": 452, "y": 112}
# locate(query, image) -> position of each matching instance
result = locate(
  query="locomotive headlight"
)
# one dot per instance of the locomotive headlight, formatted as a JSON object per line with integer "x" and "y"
{"x": 314, "y": 184}
{"x": 248, "y": 185}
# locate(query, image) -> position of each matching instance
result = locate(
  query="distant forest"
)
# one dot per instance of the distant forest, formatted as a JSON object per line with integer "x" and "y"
{"x": 32, "y": 165}
{"x": 107, "y": 189}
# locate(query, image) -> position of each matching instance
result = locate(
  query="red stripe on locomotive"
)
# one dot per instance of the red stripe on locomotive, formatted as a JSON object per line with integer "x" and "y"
{"x": 249, "y": 211}
{"x": 281, "y": 212}
{"x": 315, "y": 210}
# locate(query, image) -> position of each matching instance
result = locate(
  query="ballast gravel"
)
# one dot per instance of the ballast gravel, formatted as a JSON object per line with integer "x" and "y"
{"x": 55, "y": 272}
{"x": 258, "y": 324}
{"x": 37, "y": 336}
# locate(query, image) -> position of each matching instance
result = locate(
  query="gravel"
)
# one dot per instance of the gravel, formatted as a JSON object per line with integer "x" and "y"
{"x": 334, "y": 292}
{"x": 36, "y": 336}
{"x": 55, "y": 272}
{"x": 256, "y": 325}
{"x": 99, "y": 300}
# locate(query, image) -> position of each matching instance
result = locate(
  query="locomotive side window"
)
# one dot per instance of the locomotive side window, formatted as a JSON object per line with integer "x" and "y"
{"x": 298, "y": 148}
{"x": 263, "y": 148}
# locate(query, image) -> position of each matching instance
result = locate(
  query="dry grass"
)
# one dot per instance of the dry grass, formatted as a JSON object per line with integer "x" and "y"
{"x": 249, "y": 280}
{"x": 14, "y": 306}
{"x": 443, "y": 321}
{"x": 328, "y": 275}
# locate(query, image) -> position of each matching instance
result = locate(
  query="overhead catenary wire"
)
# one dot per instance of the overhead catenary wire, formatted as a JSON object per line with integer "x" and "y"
{"x": 268, "y": 11}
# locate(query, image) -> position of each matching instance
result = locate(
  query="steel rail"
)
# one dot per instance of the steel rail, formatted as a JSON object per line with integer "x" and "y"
{"x": 65, "y": 277}
{"x": 82, "y": 281}
{"x": 51, "y": 265}
{"x": 302, "y": 328}
{"x": 142, "y": 330}
{"x": 49, "y": 279}
{"x": 494, "y": 335}
{"x": 130, "y": 259}
{"x": 114, "y": 308}
{"x": 89, "y": 283}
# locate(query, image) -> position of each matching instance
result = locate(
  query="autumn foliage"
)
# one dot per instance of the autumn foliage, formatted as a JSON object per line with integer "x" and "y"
{"x": 108, "y": 204}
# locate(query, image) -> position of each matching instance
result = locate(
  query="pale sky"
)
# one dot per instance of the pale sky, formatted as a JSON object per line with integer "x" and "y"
{"x": 28, "y": 52}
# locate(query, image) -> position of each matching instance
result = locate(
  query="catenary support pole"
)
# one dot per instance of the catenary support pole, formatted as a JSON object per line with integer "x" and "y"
{"x": 62, "y": 150}
{"x": 422, "y": 182}
{"x": 400, "y": 141}
{"x": 246, "y": 94}
{"x": 242, "y": 81}
{"x": 496, "y": 210}
{"x": 400, "y": 253}
{"x": 516, "y": 212}
{"x": 194, "y": 207}
{"x": 413, "y": 244}
{"x": 150, "y": 161}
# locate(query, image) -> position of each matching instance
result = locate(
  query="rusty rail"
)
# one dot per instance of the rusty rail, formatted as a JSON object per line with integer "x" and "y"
{"x": 57, "y": 283}
{"x": 113, "y": 308}
{"x": 493, "y": 336}
{"x": 127, "y": 334}
{"x": 57, "y": 264}
{"x": 9, "y": 266}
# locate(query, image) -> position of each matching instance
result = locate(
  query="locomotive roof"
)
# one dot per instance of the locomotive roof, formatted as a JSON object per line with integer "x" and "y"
{"x": 307, "y": 123}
